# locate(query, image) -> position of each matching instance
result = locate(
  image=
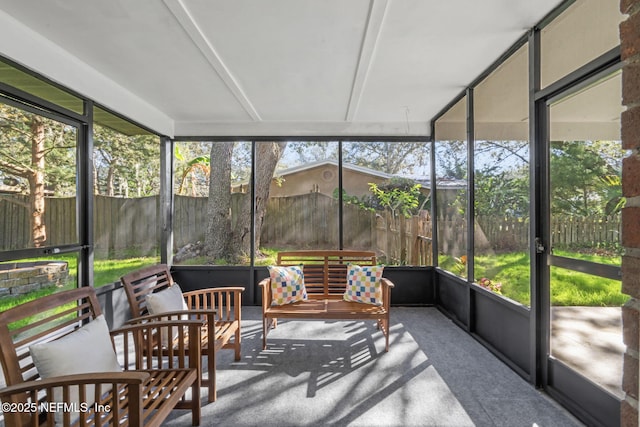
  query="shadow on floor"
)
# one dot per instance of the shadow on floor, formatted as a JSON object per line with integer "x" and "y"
{"x": 333, "y": 373}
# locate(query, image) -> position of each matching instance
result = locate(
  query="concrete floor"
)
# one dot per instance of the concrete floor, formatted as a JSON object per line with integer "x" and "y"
{"x": 435, "y": 373}
{"x": 336, "y": 373}
{"x": 589, "y": 340}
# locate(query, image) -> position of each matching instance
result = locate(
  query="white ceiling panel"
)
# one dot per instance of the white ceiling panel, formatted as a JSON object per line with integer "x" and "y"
{"x": 295, "y": 60}
{"x": 280, "y": 67}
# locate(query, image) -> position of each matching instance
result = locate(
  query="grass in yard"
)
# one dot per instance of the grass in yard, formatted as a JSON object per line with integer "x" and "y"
{"x": 510, "y": 269}
{"x": 567, "y": 287}
{"x": 105, "y": 271}
{"x": 269, "y": 256}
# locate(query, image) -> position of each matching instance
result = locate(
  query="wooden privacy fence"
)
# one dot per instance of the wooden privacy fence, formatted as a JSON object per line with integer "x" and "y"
{"x": 403, "y": 240}
{"x": 119, "y": 223}
{"x": 503, "y": 234}
{"x": 305, "y": 221}
{"x": 15, "y": 229}
{"x": 311, "y": 221}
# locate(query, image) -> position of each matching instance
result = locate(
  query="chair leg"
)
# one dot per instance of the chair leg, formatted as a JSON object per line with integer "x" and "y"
{"x": 265, "y": 328}
{"x": 195, "y": 404}
{"x": 386, "y": 334}
{"x": 237, "y": 343}
{"x": 211, "y": 365}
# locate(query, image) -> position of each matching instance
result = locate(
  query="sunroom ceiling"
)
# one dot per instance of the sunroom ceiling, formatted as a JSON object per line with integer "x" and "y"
{"x": 278, "y": 67}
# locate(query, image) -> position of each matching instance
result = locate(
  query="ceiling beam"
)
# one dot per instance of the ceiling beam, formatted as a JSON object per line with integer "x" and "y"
{"x": 189, "y": 24}
{"x": 375, "y": 20}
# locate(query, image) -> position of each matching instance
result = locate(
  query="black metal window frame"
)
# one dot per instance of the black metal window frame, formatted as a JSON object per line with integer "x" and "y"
{"x": 553, "y": 377}
{"x": 168, "y": 189}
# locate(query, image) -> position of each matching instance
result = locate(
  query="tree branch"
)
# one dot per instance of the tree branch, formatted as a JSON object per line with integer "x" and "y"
{"x": 15, "y": 169}
{"x": 49, "y": 150}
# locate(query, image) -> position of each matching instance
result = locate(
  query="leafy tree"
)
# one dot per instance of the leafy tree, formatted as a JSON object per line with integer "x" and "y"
{"x": 384, "y": 156}
{"x": 389, "y": 157}
{"x": 400, "y": 196}
{"x": 364, "y": 202}
{"x": 38, "y": 153}
{"x": 585, "y": 177}
{"x": 501, "y": 178}
{"x": 192, "y": 168}
{"x": 451, "y": 159}
{"x": 502, "y": 194}
{"x": 311, "y": 151}
{"x": 123, "y": 163}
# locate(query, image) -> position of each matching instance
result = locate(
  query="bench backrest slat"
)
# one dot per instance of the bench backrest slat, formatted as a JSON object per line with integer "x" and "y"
{"x": 325, "y": 272}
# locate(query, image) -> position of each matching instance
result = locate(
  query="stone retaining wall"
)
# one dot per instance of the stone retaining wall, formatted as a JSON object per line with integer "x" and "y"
{"x": 23, "y": 277}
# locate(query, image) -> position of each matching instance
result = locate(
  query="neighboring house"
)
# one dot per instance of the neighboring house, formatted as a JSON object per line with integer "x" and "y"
{"x": 322, "y": 177}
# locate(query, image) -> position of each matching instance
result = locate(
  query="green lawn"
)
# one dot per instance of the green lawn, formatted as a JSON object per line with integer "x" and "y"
{"x": 567, "y": 287}
{"x": 511, "y": 270}
{"x": 105, "y": 272}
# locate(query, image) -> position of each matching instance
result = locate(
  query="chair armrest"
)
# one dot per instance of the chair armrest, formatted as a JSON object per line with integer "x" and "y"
{"x": 388, "y": 283}
{"x": 196, "y": 314}
{"x": 149, "y": 353}
{"x": 220, "y": 288}
{"x": 205, "y": 291}
{"x": 94, "y": 378}
{"x": 30, "y": 400}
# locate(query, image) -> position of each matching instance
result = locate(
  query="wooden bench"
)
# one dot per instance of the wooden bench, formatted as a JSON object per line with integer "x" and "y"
{"x": 219, "y": 306}
{"x": 143, "y": 394}
{"x": 325, "y": 279}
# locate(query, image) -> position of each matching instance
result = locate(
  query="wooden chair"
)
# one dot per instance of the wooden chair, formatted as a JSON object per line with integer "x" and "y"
{"x": 143, "y": 394}
{"x": 220, "y": 307}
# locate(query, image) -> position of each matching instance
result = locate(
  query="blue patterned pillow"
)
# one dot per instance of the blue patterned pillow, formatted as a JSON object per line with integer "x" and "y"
{"x": 287, "y": 284}
{"x": 364, "y": 284}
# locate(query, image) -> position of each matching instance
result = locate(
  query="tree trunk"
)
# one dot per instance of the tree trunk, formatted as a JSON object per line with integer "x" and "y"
{"x": 96, "y": 189}
{"x": 36, "y": 182}
{"x": 268, "y": 156}
{"x": 110, "y": 189}
{"x": 221, "y": 241}
{"x": 218, "y": 232}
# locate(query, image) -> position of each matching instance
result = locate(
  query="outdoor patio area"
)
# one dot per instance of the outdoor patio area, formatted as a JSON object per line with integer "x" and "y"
{"x": 321, "y": 373}
{"x": 336, "y": 373}
{"x": 484, "y": 155}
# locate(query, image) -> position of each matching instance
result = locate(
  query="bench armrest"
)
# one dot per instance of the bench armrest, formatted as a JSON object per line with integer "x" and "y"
{"x": 387, "y": 285}
{"x": 239, "y": 289}
{"x": 266, "y": 293}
